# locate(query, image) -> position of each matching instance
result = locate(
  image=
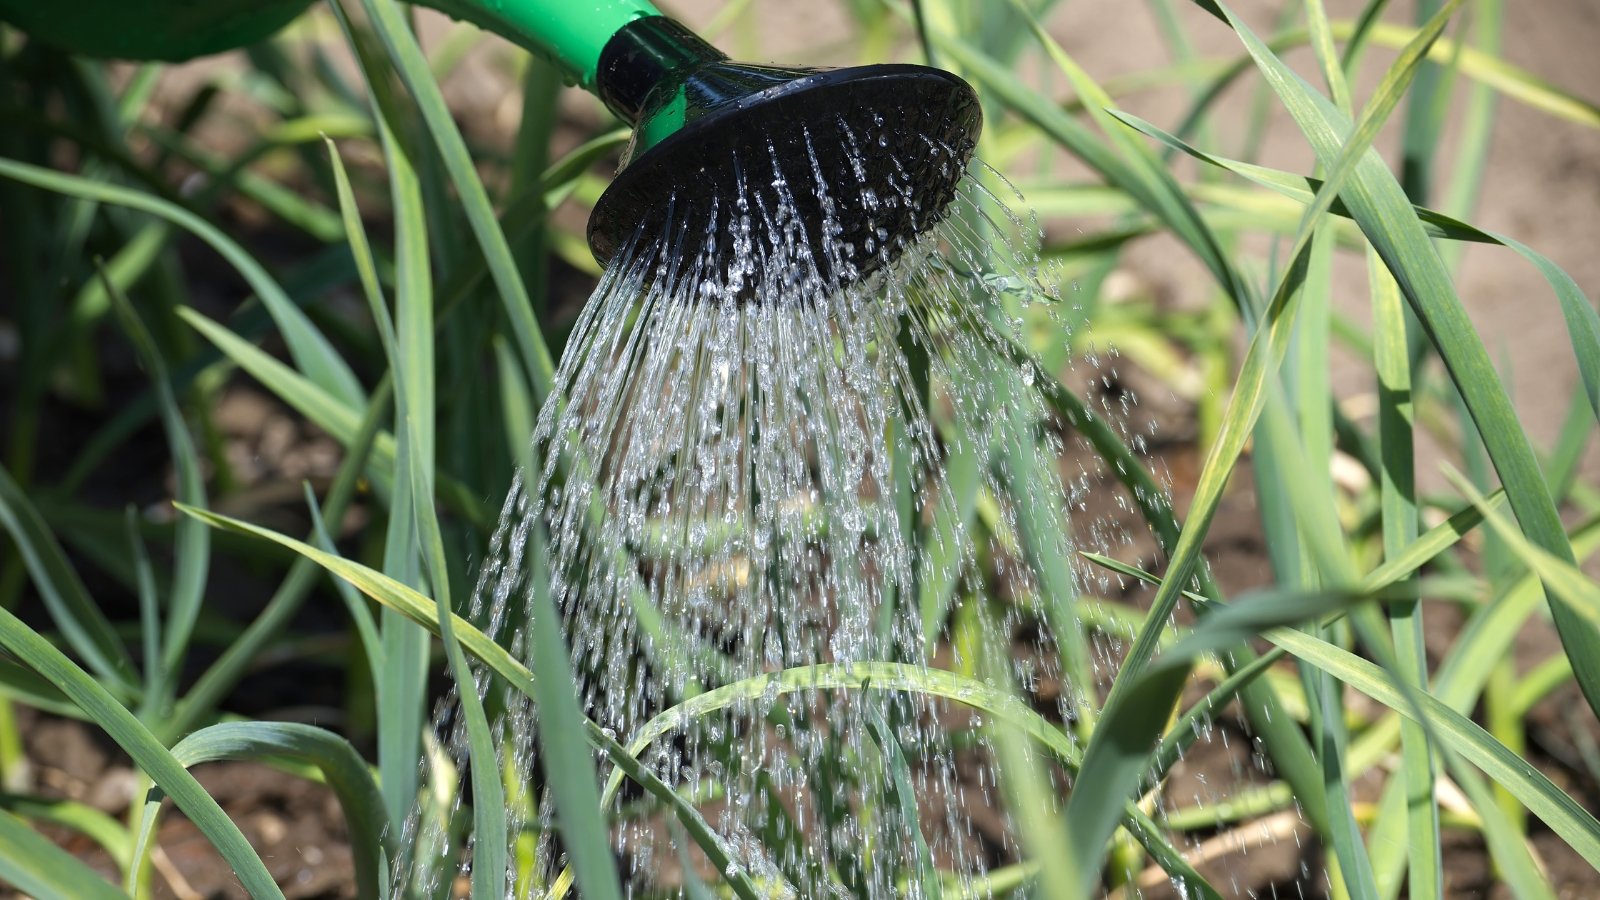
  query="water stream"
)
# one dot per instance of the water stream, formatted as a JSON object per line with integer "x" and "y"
{"x": 748, "y": 477}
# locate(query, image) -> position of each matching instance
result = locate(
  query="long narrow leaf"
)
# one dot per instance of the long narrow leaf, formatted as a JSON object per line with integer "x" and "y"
{"x": 1385, "y": 216}
{"x": 38, "y": 868}
{"x": 424, "y": 611}
{"x": 332, "y": 755}
{"x": 191, "y": 543}
{"x": 1583, "y": 322}
{"x": 82, "y": 623}
{"x": 147, "y": 752}
{"x": 311, "y": 350}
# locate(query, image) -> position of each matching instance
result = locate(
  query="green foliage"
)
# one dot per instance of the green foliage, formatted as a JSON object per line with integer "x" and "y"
{"x": 432, "y": 382}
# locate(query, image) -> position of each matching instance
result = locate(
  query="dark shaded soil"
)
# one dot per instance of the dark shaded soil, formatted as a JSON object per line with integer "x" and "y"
{"x": 295, "y": 824}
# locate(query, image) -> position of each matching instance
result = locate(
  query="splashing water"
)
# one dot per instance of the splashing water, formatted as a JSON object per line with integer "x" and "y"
{"x": 759, "y": 463}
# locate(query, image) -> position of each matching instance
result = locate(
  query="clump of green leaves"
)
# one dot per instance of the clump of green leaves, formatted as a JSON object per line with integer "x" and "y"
{"x": 463, "y": 277}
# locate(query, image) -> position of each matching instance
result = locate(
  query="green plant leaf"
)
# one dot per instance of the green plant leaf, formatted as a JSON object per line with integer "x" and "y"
{"x": 147, "y": 752}
{"x": 1583, "y": 322}
{"x": 333, "y": 756}
{"x": 1139, "y": 173}
{"x": 408, "y": 60}
{"x": 191, "y": 543}
{"x": 1118, "y": 756}
{"x": 1575, "y": 825}
{"x": 231, "y": 666}
{"x": 38, "y": 868}
{"x": 1380, "y": 207}
{"x": 1554, "y": 807}
{"x": 82, "y": 623}
{"x": 343, "y": 769}
{"x": 312, "y": 352}
{"x": 79, "y": 817}
{"x": 1563, "y": 578}
{"x": 420, "y": 609}
{"x": 412, "y": 360}
{"x": 568, "y": 764}
{"x": 1004, "y": 707}
{"x": 340, "y": 421}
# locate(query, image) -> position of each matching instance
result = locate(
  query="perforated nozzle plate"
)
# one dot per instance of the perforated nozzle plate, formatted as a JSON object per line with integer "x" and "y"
{"x": 891, "y": 142}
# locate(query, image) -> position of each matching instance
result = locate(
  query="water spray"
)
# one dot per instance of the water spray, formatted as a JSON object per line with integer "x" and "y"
{"x": 792, "y": 344}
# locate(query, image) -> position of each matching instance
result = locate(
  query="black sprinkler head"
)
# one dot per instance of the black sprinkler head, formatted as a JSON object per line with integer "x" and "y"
{"x": 868, "y": 157}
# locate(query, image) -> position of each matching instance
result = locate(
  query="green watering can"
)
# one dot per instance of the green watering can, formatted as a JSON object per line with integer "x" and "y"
{"x": 868, "y": 157}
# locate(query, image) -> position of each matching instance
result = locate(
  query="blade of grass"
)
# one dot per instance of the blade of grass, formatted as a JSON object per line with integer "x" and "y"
{"x": 517, "y": 409}
{"x": 401, "y": 686}
{"x": 1392, "y": 359}
{"x": 1425, "y": 112}
{"x": 1385, "y": 216}
{"x": 342, "y": 768}
{"x": 1353, "y": 873}
{"x": 410, "y": 63}
{"x": 1495, "y": 72}
{"x": 149, "y": 613}
{"x": 30, "y": 863}
{"x": 366, "y": 625}
{"x": 218, "y": 679}
{"x": 191, "y": 543}
{"x": 1002, "y": 706}
{"x": 340, "y": 421}
{"x": 880, "y": 676}
{"x": 1560, "y": 576}
{"x": 312, "y": 352}
{"x": 1583, "y": 322}
{"x": 1554, "y": 807}
{"x": 1396, "y": 571}
{"x": 1118, "y": 757}
{"x": 568, "y": 765}
{"x": 1482, "y": 64}
{"x": 412, "y": 358}
{"x": 1477, "y": 125}
{"x": 1461, "y": 676}
{"x": 902, "y": 795}
{"x": 423, "y": 611}
{"x": 74, "y": 612}
{"x": 76, "y": 816}
{"x": 942, "y": 561}
{"x": 147, "y": 752}
{"x": 1397, "y": 500}
{"x": 1285, "y": 743}
{"x": 1514, "y": 862}
{"x": 1033, "y": 800}
{"x": 1147, "y": 177}
{"x": 1263, "y": 357}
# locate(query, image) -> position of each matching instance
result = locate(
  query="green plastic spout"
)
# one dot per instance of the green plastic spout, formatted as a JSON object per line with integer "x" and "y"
{"x": 570, "y": 33}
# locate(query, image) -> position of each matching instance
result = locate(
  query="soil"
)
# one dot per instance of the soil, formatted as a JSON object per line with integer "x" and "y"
{"x": 295, "y": 824}
{"x": 1545, "y": 188}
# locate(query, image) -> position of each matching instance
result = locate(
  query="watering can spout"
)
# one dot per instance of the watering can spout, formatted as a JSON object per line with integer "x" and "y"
{"x": 778, "y": 174}
{"x": 643, "y": 55}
